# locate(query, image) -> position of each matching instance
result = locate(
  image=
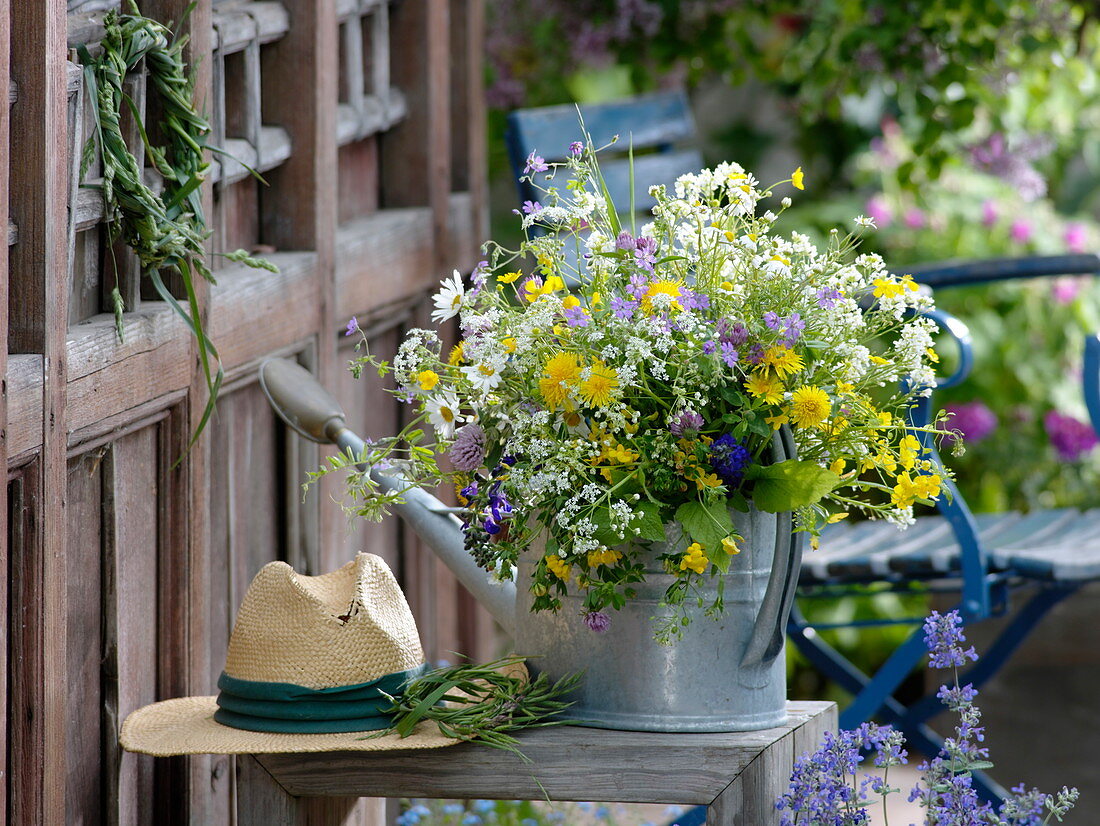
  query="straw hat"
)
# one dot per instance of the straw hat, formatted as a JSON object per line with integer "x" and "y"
{"x": 306, "y": 661}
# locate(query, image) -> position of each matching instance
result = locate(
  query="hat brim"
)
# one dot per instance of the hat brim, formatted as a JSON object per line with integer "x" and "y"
{"x": 186, "y": 726}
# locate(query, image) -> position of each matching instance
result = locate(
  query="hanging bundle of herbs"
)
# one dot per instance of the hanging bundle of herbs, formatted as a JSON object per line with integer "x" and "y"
{"x": 167, "y": 231}
{"x": 482, "y": 703}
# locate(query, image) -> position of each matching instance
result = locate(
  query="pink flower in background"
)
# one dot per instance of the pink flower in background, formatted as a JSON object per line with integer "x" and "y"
{"x": 1071, "y": 437}
{"x": 1065, "y": 290}
{"x": 973, "y": 419}
{"x": 1020, "y": 231}
{"x": 1075, "y": 237}
{"x": 879, "y": 211}
{"x": 914, "y": 218}
{"x": 989, "y": 213}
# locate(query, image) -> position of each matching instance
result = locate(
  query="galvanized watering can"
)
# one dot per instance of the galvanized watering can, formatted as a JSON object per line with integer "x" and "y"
{"x": 725, "y": 674}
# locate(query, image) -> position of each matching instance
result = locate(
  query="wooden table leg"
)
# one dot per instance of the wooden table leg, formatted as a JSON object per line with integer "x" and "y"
{"x": 261, "y": 801}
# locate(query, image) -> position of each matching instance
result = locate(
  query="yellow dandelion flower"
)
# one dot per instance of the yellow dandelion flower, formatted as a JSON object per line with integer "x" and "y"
{"x": 600, "y": 386}
{"x": 766, "y": 387}
{"x": 809, "y": 406}
{"x": 456, "y": 355}
{"x": 559, "y": 567}
{"x": 694, "y": 558}
{"x": 797, "y": 179}
{"x": 509, "y": 277}
{"x": 669, "y": 288}
{"x": 561, "y": 372}
{"x": 783, "y": 360}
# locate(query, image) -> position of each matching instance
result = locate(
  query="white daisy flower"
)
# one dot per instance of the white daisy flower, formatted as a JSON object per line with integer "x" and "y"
{"x": 485, "y": 375}
{"x": 443, "y": 414}
{"x": 448, "y": 301}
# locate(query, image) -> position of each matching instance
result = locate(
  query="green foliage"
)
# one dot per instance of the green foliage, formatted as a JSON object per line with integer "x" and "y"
{"x": 168, "y": 231}
{"x": 789, "y": 485}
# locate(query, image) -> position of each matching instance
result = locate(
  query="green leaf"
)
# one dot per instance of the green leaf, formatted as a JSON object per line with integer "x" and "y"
{"x": 789, "y": 485}
{"x": 706, "y": 524}
{"x": 647, "y": 522}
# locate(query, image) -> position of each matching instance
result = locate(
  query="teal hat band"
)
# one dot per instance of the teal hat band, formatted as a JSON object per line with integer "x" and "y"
{"x": 294, "y": 709}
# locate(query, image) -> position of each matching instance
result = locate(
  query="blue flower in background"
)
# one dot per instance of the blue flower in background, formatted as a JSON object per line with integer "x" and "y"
{"x": 483, "y": 806}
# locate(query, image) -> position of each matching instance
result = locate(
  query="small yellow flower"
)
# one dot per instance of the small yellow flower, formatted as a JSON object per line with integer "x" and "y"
{"x": 600, "y": 386}
{"x": 456, "y": 355}
{"x": 569, "y": 302}
{"x": 533, "y": 291}
{"x": 908, "y": 490}
{"x": 836, "y": 517}
{"x": 604, "y": 556}
{"x": 704, "y": 480}
{"x": 844, "y": 387}
{"x": 797, "y": 179}
{"x": 427, "y": 379}
{"x": 730, "y": 546}
{"x": 908, "y": 451}
{"x": 777, "y": 421}
{"x": 559, "y": 567}
{"x": 879, "y": 360}
{"x": 892, "y": 288}
{"x": 933, "y": 356}
{"x": 727, "y": 286}
{"x": 810, "y": 406}
{"x": 837, "y": 467}
{"x": 694, "y": 558}
{"x": 509, "y": 345}
{"x": 509, "y": 277}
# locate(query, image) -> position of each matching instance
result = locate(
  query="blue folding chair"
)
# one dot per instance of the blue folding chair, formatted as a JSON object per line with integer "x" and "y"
{"x": 658, "y": 128}
{"x": 977, "y": 559}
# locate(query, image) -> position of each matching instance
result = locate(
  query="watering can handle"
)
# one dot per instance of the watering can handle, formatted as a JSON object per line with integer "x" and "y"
{"x": 300, "y": 400}
{"x": 771, "y": 621}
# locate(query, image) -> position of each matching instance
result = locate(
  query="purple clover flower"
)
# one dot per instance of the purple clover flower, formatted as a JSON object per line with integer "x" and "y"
{"x": 944, "y": 637}
{"x": 468, "y": 449}
{"x": 535, "y": 163}
{"x": 733, "y": 332}
{"x": 1071, "y": 437}
{"x": 597, "y": 621}
{"x": 686, "y": 424}
{"x": 729, "y": 458}
{"x": 624, "y": 241}
{"x": 353, "y": 327}
{"x": 973, "y": 419}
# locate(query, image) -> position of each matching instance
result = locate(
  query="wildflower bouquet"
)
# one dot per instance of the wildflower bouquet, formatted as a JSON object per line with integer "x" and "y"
{"x": 613, "y": 379}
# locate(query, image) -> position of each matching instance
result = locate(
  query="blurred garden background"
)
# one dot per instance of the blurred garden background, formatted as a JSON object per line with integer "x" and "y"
{"x": 965, "y": 129}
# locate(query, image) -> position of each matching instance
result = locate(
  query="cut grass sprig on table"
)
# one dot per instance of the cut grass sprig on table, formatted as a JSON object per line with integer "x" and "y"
{"x": 482, "y": 703}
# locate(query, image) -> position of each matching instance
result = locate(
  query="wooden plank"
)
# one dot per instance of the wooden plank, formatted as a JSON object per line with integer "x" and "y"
{"x": 469, "y": 140}
{"x": 23, "y": 385}
{"x": 382, "y": 258}
{"x": 570, "y": 762}
{"x": 358, "y": 181}
{"x": 27, "y": 658}
{"x": 263, "y": 802}
{"x": 417, "y": 171}
{"x": 6, "y": 546}
{"x": 38, "y": 315}
{"x": 83, "y": 674}
{"x": 130, "y": 615}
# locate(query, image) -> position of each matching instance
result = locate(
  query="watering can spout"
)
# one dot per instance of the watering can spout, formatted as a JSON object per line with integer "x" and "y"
{"x": 311, "y": 410}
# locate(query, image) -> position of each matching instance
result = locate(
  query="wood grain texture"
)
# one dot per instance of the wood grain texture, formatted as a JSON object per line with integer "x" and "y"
{"x": 84, "y": 708}
{"x": 5, "y": 441}
{"x": 571, "y": 763}
{"x": 383, "y": 258}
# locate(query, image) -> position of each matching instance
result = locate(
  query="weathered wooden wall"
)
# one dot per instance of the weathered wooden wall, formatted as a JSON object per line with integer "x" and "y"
{"x": 124, "y": 570}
